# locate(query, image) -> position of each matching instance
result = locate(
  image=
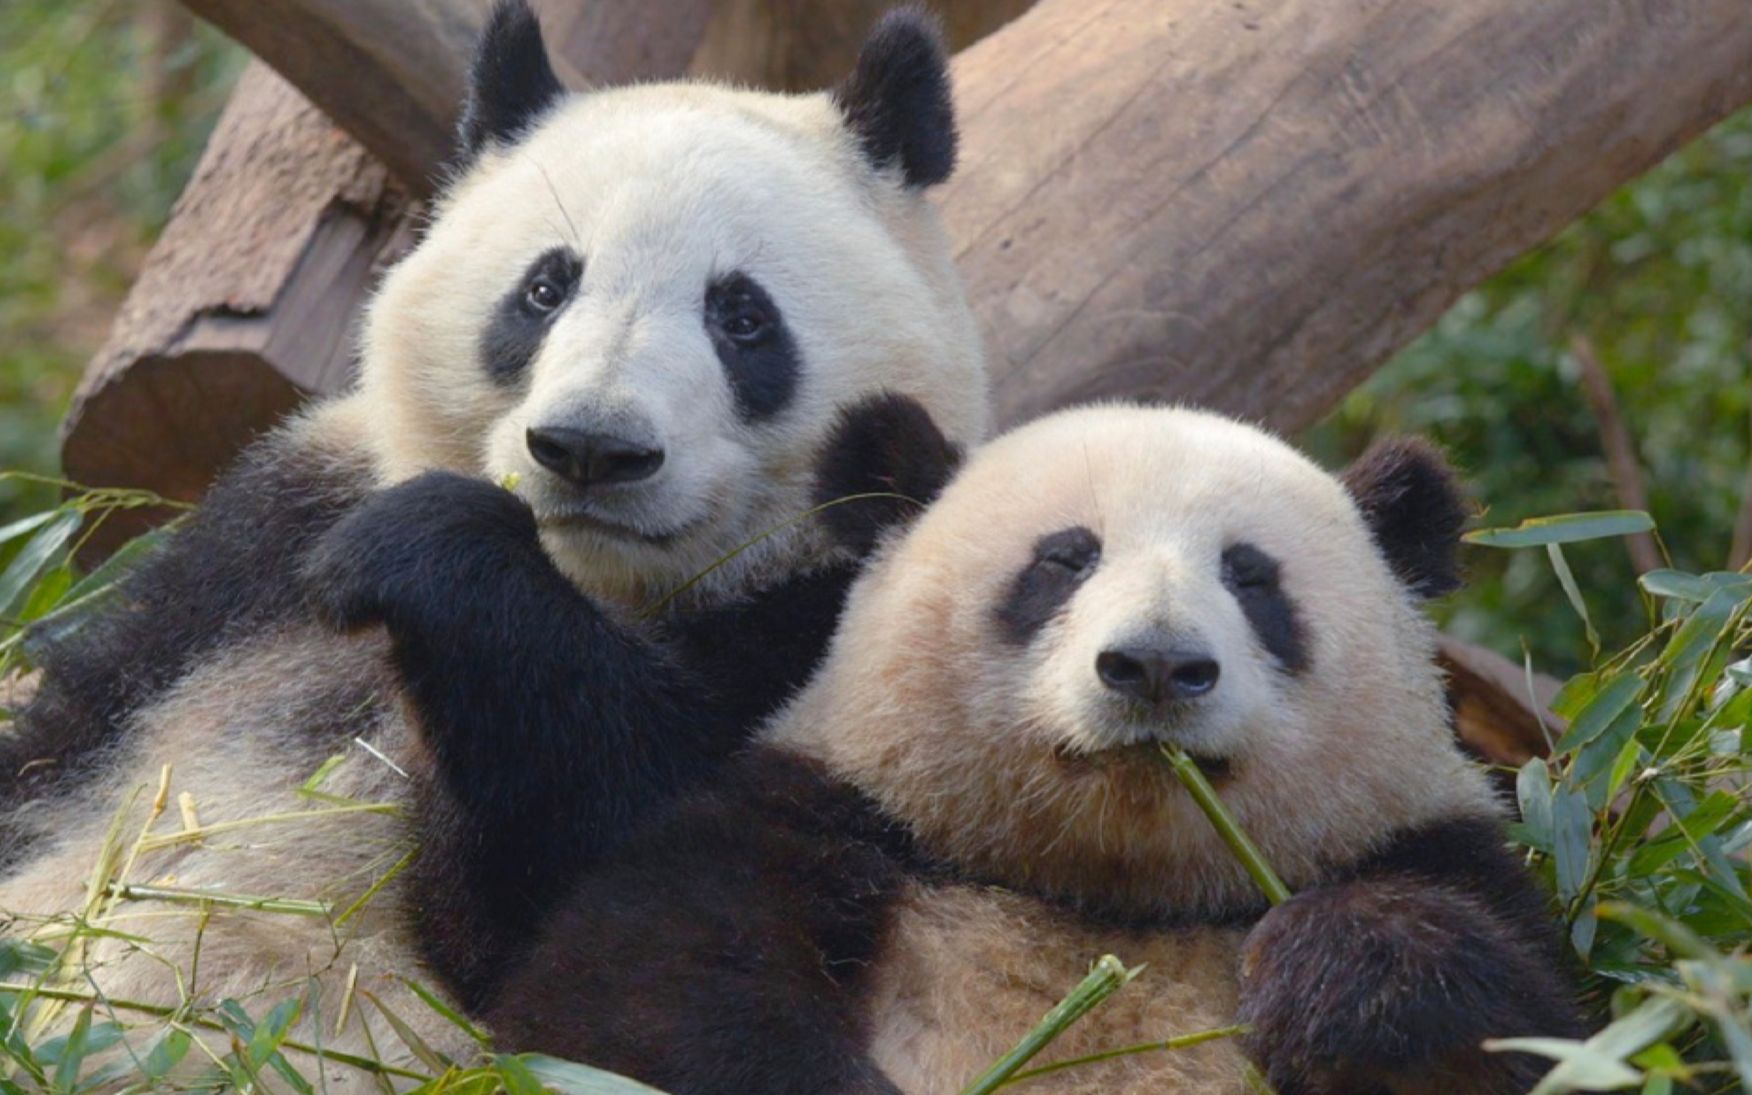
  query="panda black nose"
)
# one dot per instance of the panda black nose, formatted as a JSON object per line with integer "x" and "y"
{"x": 1156, "y": 676}
{"x": 586, "y": 459}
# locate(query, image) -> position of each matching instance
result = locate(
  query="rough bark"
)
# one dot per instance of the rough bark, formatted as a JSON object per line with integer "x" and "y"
{"x": 246, "y": 305}
{"x": 390, "y": 73}
{"x": 1251, "y": 205}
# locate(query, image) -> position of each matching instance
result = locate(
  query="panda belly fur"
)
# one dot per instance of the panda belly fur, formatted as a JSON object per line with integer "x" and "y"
{"x": 966, "y": 970}
{"x": 239, "y": 735}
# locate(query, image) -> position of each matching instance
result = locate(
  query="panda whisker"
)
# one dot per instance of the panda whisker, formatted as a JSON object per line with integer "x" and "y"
{"x": 554, "y": 192}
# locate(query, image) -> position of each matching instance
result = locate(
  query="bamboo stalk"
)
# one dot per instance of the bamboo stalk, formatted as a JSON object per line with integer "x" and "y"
{"x": 1107, "y": 978}
{"x": 1238, "y": 841}
{"x": 1182, "y": 1041}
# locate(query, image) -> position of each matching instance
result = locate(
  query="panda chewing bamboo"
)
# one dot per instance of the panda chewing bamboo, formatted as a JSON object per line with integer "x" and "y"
{"x": 652, "y": 306}
{"x": 967, "y": 805}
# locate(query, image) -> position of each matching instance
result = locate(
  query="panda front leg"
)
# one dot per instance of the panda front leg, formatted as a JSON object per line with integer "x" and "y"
{"x": 1388, "y": 983}
{"x": 552, "y": 727}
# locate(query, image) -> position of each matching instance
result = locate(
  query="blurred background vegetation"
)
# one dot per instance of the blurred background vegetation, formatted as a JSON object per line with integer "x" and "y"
{"x": 104, "y": 106}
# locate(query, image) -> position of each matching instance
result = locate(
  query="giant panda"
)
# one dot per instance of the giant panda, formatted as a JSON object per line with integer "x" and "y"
{"x": 968, "y": 805}
{"x": 649, "y": 308}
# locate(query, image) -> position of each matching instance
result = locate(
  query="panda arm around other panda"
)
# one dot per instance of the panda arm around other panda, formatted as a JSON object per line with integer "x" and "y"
{"x": 726, "y": 949}
{"x": 554, "y": 728}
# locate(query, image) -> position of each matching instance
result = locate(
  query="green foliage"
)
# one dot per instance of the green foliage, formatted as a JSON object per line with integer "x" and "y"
{"x": 43, "y": 592}
{"x": 1639, "y": 823}
{"x": 103, "y": 107}
{"x": 1659, "y": 278}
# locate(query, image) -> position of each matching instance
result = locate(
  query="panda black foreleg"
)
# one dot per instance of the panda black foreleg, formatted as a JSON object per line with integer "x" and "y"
{"x": 1391, "y": 980}
{"x": 552, "y": 727}
{"x": 728, "y": 948}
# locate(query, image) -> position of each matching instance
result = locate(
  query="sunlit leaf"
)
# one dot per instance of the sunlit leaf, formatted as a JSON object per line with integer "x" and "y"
{"x": 1566, "y": 528}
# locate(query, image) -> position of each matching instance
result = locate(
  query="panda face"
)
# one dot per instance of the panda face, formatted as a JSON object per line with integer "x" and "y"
{"x": 1191, "y": 594}
{"x": 1102, "y": 582}
{"x": 647, "y": 312}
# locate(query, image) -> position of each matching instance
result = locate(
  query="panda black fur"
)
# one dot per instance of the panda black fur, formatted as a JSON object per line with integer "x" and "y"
{"x": 667, "y": 294}
{"x": 966, "y": 807}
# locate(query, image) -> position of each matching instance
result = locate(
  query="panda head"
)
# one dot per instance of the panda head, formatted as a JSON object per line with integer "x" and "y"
{"x": 1110, "y": 579}
{"x": 646, "y": 303}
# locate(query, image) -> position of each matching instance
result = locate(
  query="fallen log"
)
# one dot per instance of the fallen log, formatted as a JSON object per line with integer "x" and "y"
{"x": 246, "y": 306}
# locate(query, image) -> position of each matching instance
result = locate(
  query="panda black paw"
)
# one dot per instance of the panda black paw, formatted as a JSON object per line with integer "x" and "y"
{"x": 1388, "y": 985}
{"x": 414, "y": 546}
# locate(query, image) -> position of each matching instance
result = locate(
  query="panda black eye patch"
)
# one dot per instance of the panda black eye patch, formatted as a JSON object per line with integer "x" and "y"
{"x": 1255, "y": 580}
{"x": 523, "y": 315}
{"x": 1063, "y": 560}
{"x": 753, "y": 344}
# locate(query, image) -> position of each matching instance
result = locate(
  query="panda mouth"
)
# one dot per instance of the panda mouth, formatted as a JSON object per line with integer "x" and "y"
{"x": 1146, "y": 753}
{"x": 583, "y": 519}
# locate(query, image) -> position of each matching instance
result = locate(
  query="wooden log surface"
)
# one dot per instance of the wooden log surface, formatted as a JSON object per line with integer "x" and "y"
{"x": 247, "y": 303}
{"x": 1251, "y": 205}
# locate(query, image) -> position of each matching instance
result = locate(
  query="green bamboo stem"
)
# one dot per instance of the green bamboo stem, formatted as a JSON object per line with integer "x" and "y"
{"x": 1183, "y": 1041}
{"x": 1107, "y": 978}
{"x": 1238, "y": 841}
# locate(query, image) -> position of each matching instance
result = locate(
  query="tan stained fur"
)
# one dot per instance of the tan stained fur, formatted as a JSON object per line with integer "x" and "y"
{"x": 1013, "y": 761}
{"x": 661, "y": 187}
{"x": 967, "y": 971}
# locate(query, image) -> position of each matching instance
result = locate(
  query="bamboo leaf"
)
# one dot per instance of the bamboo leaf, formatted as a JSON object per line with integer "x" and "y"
{"x": 1533, "y": 793}
{"x": 1568, "y": 528}
{"x": 1573, "y": 592}
{"x": 1686, "y": 656}
{"x": 1572, "y": 825}
{"x": 18, "y": 528}
{"x": 1678, "y": 586}
{"x": 38, "y": 553}
{"x": 1607, "y": 706}
{"x": 576, "y": 1079}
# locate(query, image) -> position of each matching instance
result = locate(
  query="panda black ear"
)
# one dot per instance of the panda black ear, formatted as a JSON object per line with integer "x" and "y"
{"x": 510, "y": 81}
{"x": 1414, "y": 507}
{"x": 897, "y": 100}
{"x": 886, "y": 444}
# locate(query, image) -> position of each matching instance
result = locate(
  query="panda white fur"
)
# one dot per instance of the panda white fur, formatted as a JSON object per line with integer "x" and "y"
{"x": 967, "y": 805}
{"x": 650, "y": 306}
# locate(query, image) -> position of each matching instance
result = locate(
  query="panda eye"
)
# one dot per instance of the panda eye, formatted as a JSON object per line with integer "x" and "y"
{"x": 739, "y": 311}
{"x": 543, "y": 295}
{"x": 1073, "y": 551}
{"x": 1245, "y": 567}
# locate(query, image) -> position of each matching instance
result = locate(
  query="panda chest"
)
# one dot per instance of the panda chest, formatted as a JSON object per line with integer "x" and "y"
{"x": 965, "y": 971}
